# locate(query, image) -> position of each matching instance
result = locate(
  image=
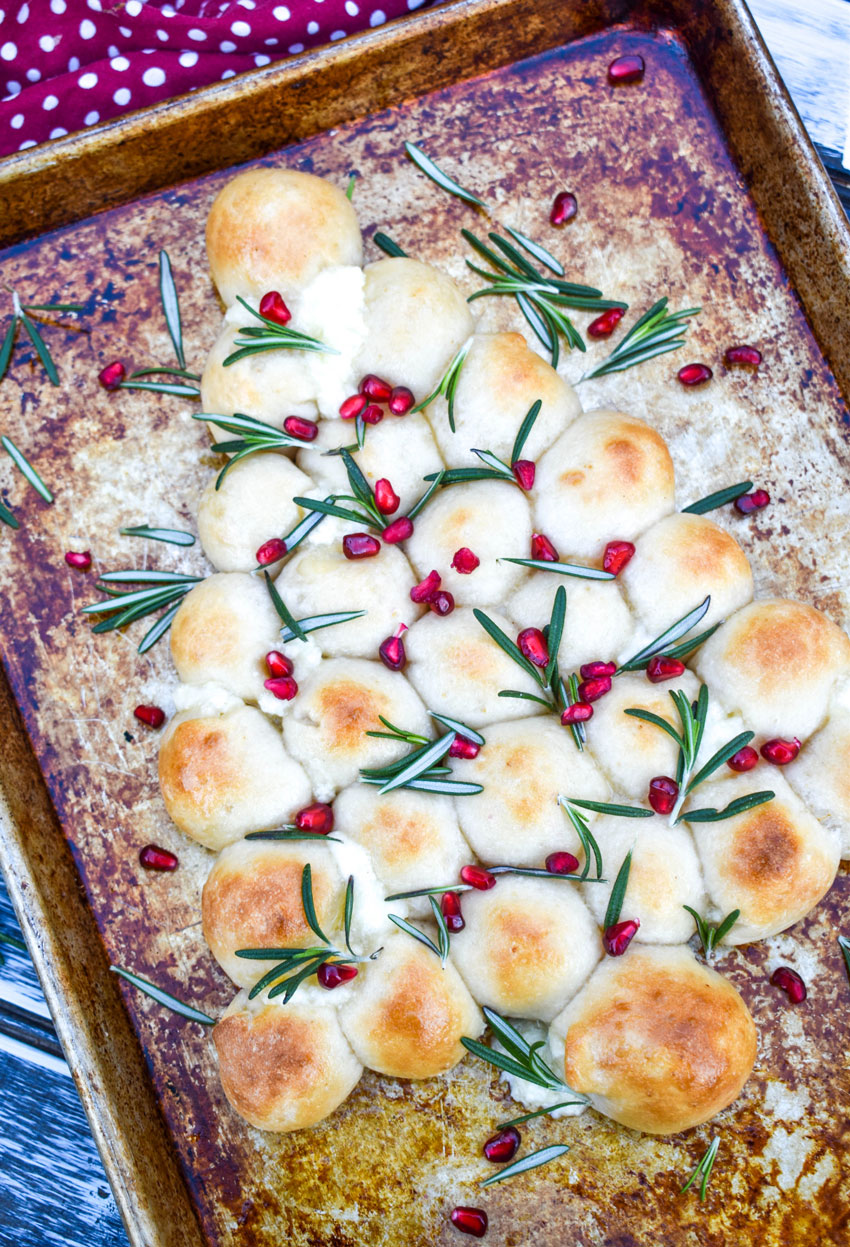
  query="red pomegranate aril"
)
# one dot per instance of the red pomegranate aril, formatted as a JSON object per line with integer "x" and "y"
{"x": 360, "y": 546}
{"x": 450, "y": 909}
{"x": 80, "y": 559}
{"x": 744, "y": 760}
{"x": 532, "y": 645}
{"x": 425, "y": 590}
{"x": 372, "y": 414}
{"x": 401, "y": 400}
{"x": 277, "y": 663}
{"x": 152, "y": 857}
{"x": 791, "y": 983}
{"x": 465, "y": 561}
{"x": 626, "y": 69}
{"x": 756, "y": 501}
{"x": 660, "y": 668}
{"x": 331, "y": 975}
{"x": 564, "y": 207}
{"x": 271, "y": 551}
{"x": 461, "y": 747}
{"x": 562, "y": 863}
{"x": 694, "y": 374}
{"x": 151, "y": 716}
{"x": 663, "y": 794}
{"x": 353, "y": 406}
{"x": 376, "y": 388}
{"x": 469, "y": 1221}
{"x": 578, "y": 712}
{"x": 477, "y": 877}
{"x": 112, "y": 375}
{"x": 392, "y": 652}
{"x": 304, "y": 430}
{"x": 617, "y": 938}
{"x": 273, "y": 308}
{"x": 502, "y": 1146}
{"x": 742, "y": 357}
{"x": 318, "y": 817}
{"x": 399, "y": 530}
{"x": 593, "y": 689}
{"x": 524, "y": 472}
{"x": 542, "y": 549}
{"x": 283, "y": 687}
{"x": 605, "y": 324}
{"x": 780, "y": 752}
{"x": 590, "y": 670}
{"x": 442, "y": 603}
{"x": 617, "y": 555}
{"x": 386, "y": 498}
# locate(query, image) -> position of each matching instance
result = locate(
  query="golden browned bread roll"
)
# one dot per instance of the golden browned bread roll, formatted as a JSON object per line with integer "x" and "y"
{"x": 224, "y": 775}
{"x": 269, "y": 385}
{"x": 407, "y": 1013}
{"x": 276, "y": 229}
{"x": 284, "y": 1067}
{"x": 658, "y": 1042}
{"x": 821, "y": 775}
{"x": 253, "y": 504}
{"x": 599, "y": 624}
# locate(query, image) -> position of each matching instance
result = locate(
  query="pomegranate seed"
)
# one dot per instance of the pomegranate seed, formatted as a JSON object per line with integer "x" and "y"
{"x": 153, "y": 716}
{"x": 590, "y": 670}
{"x": 663, "y": 794}
{"x": 562, "y": 863}
{"x": 273, "y": 308}
{"x": 564, "y": 207}
{"x": 605, "y": 324}
{"x": 372, "y": 414}
{"x": 277, "y": 663}
{"x": 152, "y": 857}
{"x": 442, "y": 603}
{"x": 465, "y": 561}
{"x": 353, "y": 406}
{"x": 524, "y": 472}
{"x": 660, "y": 668}
{"x": 81, "y": 559}
{"x": 318, "y": 817}
{"x": 271, "y": 551}
{"x": 618, "y": 937}
{"x": 694, "y": 374}
{"x": 469, "y": 1221}
{"x": 502, "y": 1146}
{"x": 532, "y": 645}
{"x": 386, "y": 498}
{"x": 780, "y": 752}
{"x": 626, "y": 69}
{"x": 478, "y": 878}
{"x": 461, "y": 747}
{"x": 360, "y": 546}
{"x": 112, "y": 375}
{"x": 375, "y": 388}
{"x": 282, "y": 687}
{"x": 592, "y": 690}
{"x": 744, "y": 760}
{"x": 305, "y": 430}
{"x": 401, "y": 400}
{"x": 391, "y": 651}
{"x": 399, "y": 530}
{"x": 617, "y": 555}
{"x": 450, "y": 909}
{"x": 332, "y": 974}
{"x": 578, "y": 712}
{"x": 756, "y": 501}
{"x": 425, "y": 590}
{"x": 742, "y": 356}
{"x": 542, "y": 549}
{"x": 791, "y": 983}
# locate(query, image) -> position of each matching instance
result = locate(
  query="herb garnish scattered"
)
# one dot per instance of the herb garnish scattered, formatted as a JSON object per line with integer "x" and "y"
{"x": 436, "y": 174}
{"x": 167, "y": 589}
{"x": 363, "y": 497}
{"x": 299, "y": 628}
{"x": 164, "y": 998}
{"x": 532, "y": 1161}
{"x": 441, "y": 950}
{"x": 172, "y": 536}
{"x": 529, "y": 871}
{"x": 563, "y": 569}
{"x": 420, "y": 769}
{"x": 710, "y": 935}
{"x": 586, "y": 839}
{"x": 659, "y": 646}
{"x": 537, "y": 250}
{"x": 703, "y": 1170}
{"x": 26, "y": 469}
{"x": 656, "y": 333}
{"x": 618, "y": 893}
{"x": 27, "y": 323}
{"x": 387, "y": 245}
{"x": 447, "y": 387}
{"x": 496, "y": 468}
{"x": 290, "y": 832}
{"x": 270, "y": 336}
{"x": 252, "y": 436}
{"x": 520, "y": 1058}
{"x": 171, "y": 312}
{"x": 718, "y": 499}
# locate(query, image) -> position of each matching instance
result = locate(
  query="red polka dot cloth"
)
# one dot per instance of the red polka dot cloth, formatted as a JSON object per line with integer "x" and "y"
{"x": 69, "y": 64}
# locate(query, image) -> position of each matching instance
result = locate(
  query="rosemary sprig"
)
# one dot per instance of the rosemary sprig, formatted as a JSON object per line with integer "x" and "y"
{"x": 529, "y": 871}
{"x": 387, "y": 245}
{"x": 656, "y": 333}
{"x": 420, "y": 769}
{"x": 703, "y": 1170}
{"x": 168, "y": 588}
{"x": 441, "y": 949}
{"x": 718, "y": 499}
{"x": 251, "y": 436}
{"x": 739, "y": 806}
{"x": 171, "y": 306}
{"x": 171, "y": 536}
{"x": 586, "y": 839}
{"x": 436, "y": 174}
{"x": 520, "y": 1058}
{"x": 496, "y": 468}
{"x": 271, "y": 337}
{"x": 40, "y": 346}
{"x": 667, "y": 638}
{"x": 26, "y": 469}
{"x": 289, "y": 623}
{"x": 26, "y": 322}
{"x": 162, "y": 387}
{"x": 455, "y": 725}
{"x": 563, "y": 569}
{"x": 618, "y": 893}
{"x": 533, "y": 1160}
{"x": 537, "y": 250}
{"x": 290, "y": 832}
{"x": 362, "y": 497}
{"x": 163, "y": 997}
{"x": 711, "y": 935}
{"x": 312, "y": 623}
{"x": 447, "y": 386}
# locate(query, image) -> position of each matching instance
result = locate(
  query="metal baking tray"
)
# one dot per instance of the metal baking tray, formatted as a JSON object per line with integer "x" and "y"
{"x": 700, "y": 184}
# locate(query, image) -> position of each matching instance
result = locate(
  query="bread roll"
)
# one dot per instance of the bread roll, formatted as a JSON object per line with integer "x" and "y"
{"x": 276, "y": 229}
{"x": 224, "y": 775}
{"x": 607, "y": 478}
{"x": 774, "y": 862}
{"x": 491, "y": 518}
{"x": 408, "y": 1012}
{"x": 284, "y": 1067}
{"x": 252, "y": 899}
{"x": 821, "y": 775}
{"x": 523, "y": 767}
{"x": 598, "y": 624}
{"x": 416, "y": 320}
{"x": 527, "y": 946}
{"x": 776, "y": 662}
{"x": 253, "y": 504}
{"x": 658, "y": 1042}
{"x": 269, "y": 385}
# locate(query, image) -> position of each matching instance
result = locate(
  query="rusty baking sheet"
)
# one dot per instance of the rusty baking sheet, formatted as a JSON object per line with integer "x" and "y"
{"x": 735, "y": 216}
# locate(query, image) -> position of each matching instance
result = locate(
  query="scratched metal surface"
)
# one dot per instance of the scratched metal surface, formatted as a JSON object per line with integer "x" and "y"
{"x": 662, "y": 210}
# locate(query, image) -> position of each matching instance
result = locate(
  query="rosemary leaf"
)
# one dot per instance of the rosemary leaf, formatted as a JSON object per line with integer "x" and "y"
{"x": 524, "y": 430}
{"x": 710, "y": 936}
{"x": 139, "y": 576}
{"x": 7, "y": 517}
{"x": 349, "y": 190}
{"x": 312, "y": 623}
{"x": 158, "y": 630}
{"x": 438, "y": 891}
{"x": 53, "y": 307}
{"x": 703, "y": 1170}
{"x": 291, "y": 624}
{"x": 309, "y": 906}
{"x": 448, "y": 383}
{"x": 450, "y": 787}
{"x": 586, "y": 839}
{"x": 542, "y": 1112}
{"x": 718, "y": 499}
{"x": 164, "y": 998}
{"x": 331, "y": 508}
{"x": 656, "y": 333}
{"x": 442, "y": 929}
{"x": 618, "y": 893}
{"x": 349, "y": 910}
{"x": 513, "y": 692}
{"x": 556, "y": 630}
{"x": 739, "y": 806}
{"x": 291, "y": 833}
{"x": 387, "y": 245}
{"x": 289, "y": 986}
{"x": 164, "y": 371}
{"x": 171, "y": 306}
{"x": 424, "y": 759}
{"x": 539, "y": 252}
{"x": 717, "y": 759}
{"x": 456, "y": 476}
{"x": 25, "y": 467}
{"x": 648, "y": 717}
{"x": 455, "y": 725}
{"x": 572, "y": 696}
{"x": 6, "y": 348}
{"x": 505, "y": 643}
{"x": 417, "y": 935}
{"x": 539, "y": 325}
{"x": 688, "y": 647}
{"x": 532, "y": 1161}
{"x": 844, "y": 945}
{"x": 606, "y": 807}
{"x": 671, "y": 634}
{"x": 172, "y": 536}
{"x": 303, "y": 528}
{"x": 40, "y": 348}
{"x": 422, "y": 502}
{"x": 360, "y": 487}
{"x": 436, "y": 174}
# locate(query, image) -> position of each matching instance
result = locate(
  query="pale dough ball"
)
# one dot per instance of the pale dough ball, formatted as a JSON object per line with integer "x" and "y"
{"x": 408, "y": 1012}
{"x": 607, "y": 478}
{"x": 524, "y": 766}
{"x": 493, "y": 520}
{"x": 336, "y": 706}
{"x": 283, "y": 1067}
{"x": 269, "y": 386}
{"x": 416, "y": 319}
{"x": 458, "y": 670}
{"x": 224, "y": 775}
{"x": 527, "y": 947}
{"x": 598, "y": 623}
{"x": 253, "y": 504}
{"x": 276, "y": 229}
{"x": 500, "y": 380}
{"x": 776, "y": 661}
{"x": 821, "y": 775}
{"x": 658, "y": 1042}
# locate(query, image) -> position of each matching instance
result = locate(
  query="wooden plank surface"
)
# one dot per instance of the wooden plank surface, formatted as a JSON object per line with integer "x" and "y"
{"x": 52, "y": 1186}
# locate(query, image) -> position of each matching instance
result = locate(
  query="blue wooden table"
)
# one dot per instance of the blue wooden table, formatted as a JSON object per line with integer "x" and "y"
{"x": 53, "y": 1190}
